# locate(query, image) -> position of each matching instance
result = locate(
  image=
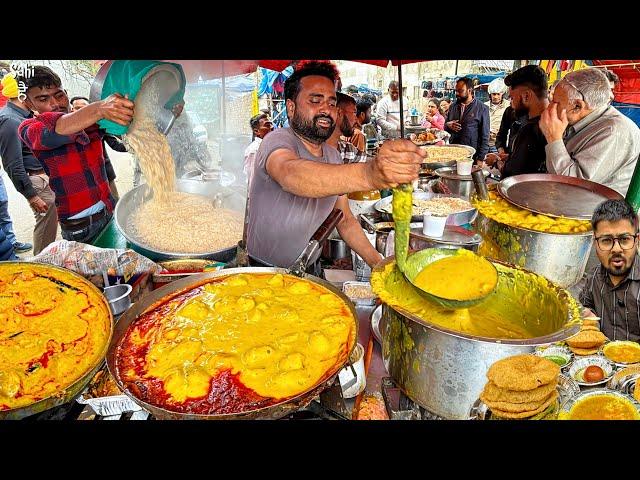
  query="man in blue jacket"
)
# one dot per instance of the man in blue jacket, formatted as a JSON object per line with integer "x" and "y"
{"x": 468, "y": 120}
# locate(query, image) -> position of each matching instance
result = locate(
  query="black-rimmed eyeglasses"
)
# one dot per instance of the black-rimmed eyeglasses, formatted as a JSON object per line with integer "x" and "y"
{"x": 626, "y": 242}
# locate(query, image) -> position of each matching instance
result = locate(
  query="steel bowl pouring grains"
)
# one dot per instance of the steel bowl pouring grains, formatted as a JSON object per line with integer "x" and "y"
{"x": 172, "y": 221}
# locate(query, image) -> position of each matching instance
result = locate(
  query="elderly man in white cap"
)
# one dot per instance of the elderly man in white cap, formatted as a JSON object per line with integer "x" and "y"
{"x": 497, "y": 105}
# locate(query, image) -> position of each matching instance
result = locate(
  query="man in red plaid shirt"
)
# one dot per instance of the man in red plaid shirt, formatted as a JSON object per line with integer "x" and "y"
{"x": 69, "y": 146}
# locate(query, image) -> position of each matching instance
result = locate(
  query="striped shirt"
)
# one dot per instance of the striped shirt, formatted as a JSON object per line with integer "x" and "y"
{"x": 350, "y": 154}
{"x": 617, "y": 306}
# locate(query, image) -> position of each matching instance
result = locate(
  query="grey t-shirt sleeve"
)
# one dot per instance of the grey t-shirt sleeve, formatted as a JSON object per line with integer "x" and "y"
{"x": 279, "y": 139}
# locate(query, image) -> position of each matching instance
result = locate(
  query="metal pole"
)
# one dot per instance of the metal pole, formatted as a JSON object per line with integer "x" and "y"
{"x": 224, "y": 107}
{"x": 401, "y": 102}
{"x": 633, "y": 193}
{"x": 456, "y": 74}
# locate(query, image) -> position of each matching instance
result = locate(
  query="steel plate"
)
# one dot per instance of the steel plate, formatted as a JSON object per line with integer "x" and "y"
{"x": 556, "y": 195}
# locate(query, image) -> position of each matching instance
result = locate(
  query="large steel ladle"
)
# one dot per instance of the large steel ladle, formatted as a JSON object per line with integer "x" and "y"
{"x": 412, "y": 265}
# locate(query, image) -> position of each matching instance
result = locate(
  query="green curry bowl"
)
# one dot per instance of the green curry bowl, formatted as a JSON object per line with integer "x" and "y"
{"x": 416, "y": 262}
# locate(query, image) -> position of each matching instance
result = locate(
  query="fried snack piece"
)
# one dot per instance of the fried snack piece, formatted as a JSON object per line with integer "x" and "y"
{"x": 589, "y": 327}
{"x": 503, "y": 414}
{"x": 591, "y": 322}
{"x": 636, "y": 391}
{"x": 519, "y": 407}
{"x": 523, "y": 372}
{"x": 587, "y": 339}
{"x": 103, "y": 385}
{"x": 631, "y": 370}
{"x": 584, "y": 351}
{"x": 492, "y": 393}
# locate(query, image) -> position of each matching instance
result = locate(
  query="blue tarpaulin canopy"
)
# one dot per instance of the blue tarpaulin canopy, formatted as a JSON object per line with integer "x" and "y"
{"x": 233, "y": 86}
{"x": 273, "y": 82}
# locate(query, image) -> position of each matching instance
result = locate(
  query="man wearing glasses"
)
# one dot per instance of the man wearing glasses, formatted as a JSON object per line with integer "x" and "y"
{"x": 612, "y": 291}
{"x": 586, "y": 137}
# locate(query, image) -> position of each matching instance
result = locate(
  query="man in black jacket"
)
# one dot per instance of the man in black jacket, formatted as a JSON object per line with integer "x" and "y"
{"x": 468, "y": 120}
{"x": 528, "y": 91}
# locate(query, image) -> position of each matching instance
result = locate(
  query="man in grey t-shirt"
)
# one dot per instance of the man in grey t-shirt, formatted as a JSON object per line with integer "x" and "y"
{"x": 298, "y": 179}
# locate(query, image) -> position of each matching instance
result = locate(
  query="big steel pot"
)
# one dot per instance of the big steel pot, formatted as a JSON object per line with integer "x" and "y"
{"x": 560, "y": 257}
{"x": 444, "y": 371}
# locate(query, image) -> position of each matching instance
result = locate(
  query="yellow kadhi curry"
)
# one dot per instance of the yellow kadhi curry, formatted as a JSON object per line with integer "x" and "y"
{"x": 463, "y": 276}
{"x": 622, "y": 352}
{"x": 523, "y": 305}
{"x": 601, "y": 407}
{"x": 502, "y": 211}
{"x": 54, "y": 328}
{"x": 277, "y": 335}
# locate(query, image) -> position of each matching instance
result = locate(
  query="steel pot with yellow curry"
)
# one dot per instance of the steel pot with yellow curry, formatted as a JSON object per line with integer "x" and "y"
{"x": 556, "y": 248}
{"x": 439, "y": 356}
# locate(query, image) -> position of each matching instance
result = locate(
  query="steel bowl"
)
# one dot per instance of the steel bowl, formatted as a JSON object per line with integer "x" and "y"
{"x": 460, "y": 185}
{"x": 444, "y": 370}
{"x": 118, "y": 297}
{"x": 132, "y": 200}
{"x": 383, "y": 206}
{"x": 335, "y": 248}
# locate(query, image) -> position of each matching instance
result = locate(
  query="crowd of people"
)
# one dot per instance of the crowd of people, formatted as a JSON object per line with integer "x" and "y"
{"x": 302, "y": 172}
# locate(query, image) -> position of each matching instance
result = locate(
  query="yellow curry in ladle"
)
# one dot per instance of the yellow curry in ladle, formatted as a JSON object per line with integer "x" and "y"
{"x": 464, "y": 276}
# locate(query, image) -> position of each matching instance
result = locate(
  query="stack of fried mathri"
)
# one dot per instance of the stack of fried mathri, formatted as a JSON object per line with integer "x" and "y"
{"x": 588, "y": 340}
{"x": 522, "y": 386}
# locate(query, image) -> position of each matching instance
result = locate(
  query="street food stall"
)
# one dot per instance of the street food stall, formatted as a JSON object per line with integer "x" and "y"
{"x": 476, "y": 323}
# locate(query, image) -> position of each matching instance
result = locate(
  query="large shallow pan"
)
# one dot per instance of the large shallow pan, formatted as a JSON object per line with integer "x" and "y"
{"x": 132, "y": 200}
{"x": 73, "y": 390}
{"x": 176, "y": 288}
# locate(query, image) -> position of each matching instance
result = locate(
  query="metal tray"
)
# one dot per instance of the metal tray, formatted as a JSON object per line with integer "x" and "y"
{"x": 360, "y": 301}
{"x": 383, "y": 206}
{"x": 112, "y": 405}
{"x": 556, "y": 195}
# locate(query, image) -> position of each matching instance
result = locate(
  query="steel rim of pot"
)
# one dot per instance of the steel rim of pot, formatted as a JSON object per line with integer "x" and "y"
{"x": 570, "y": 326}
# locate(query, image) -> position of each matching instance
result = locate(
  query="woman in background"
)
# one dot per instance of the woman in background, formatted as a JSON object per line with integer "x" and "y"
{"x": 432, "y": 117}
